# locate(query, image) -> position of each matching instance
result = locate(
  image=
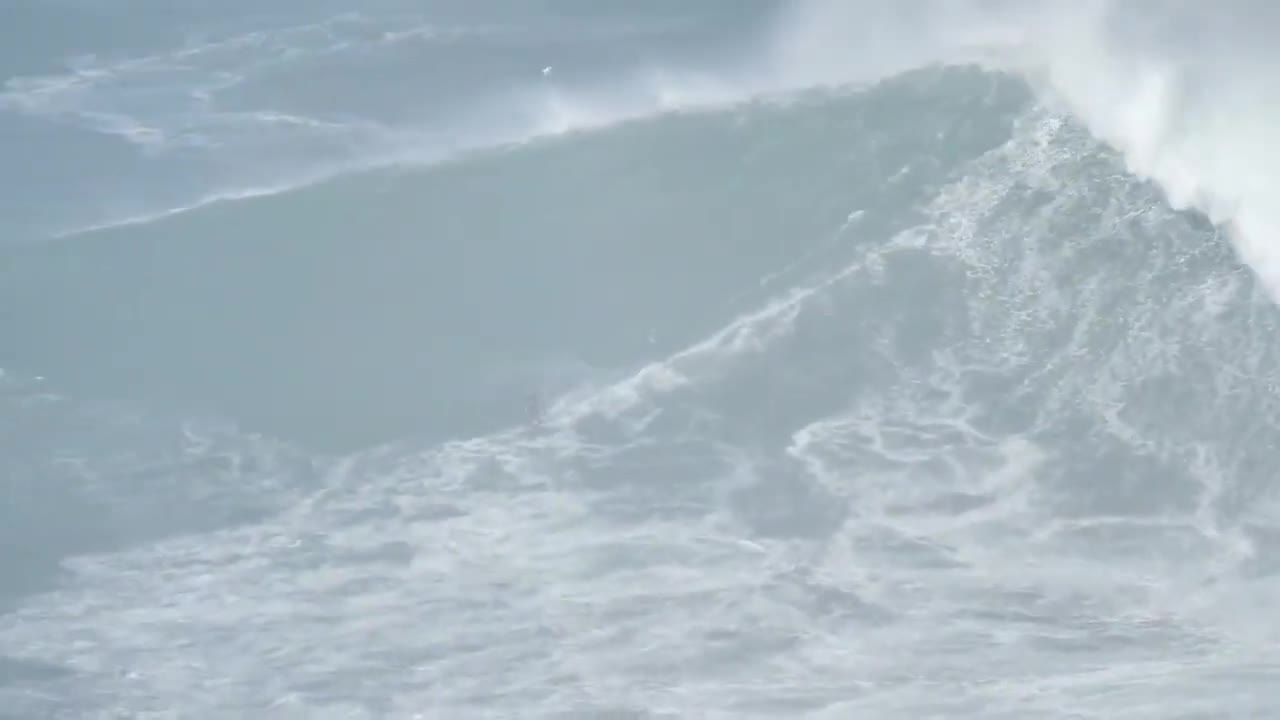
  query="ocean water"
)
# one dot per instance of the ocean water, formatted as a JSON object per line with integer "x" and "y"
{"x": 568, "y": 359}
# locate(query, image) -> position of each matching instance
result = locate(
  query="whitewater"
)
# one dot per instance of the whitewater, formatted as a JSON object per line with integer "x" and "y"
{"x": 567, "y": 359}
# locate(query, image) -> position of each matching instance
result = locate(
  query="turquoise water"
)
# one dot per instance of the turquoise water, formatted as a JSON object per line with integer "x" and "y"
{"x": 588, "y": 360}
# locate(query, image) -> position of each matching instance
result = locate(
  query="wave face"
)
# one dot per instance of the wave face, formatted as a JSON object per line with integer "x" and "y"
{"x": 766, "y": 378}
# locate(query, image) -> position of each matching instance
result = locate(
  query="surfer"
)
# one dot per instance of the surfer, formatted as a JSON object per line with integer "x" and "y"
{"x": 533, "y": 406}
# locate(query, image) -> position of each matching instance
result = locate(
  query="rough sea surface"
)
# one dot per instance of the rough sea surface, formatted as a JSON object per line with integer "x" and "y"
{"x": 567, "y": 359}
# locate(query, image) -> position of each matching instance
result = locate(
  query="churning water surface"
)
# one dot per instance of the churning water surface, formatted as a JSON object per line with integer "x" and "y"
{"x": 568, "y": 359}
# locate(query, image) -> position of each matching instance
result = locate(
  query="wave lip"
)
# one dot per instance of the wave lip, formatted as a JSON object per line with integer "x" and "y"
{"x": 532, "y": 114}
{"x": 240, "y": 114}
{"x": 1185, "y": 91}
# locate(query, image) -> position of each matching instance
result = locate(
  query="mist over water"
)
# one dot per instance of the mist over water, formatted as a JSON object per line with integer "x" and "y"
{"x": 587, "y": 359}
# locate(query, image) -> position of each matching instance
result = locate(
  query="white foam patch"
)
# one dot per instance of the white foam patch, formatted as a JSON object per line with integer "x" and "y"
{"x": 1184, "y": 90}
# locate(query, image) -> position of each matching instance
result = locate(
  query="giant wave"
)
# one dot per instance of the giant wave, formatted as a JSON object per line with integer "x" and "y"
{"x": 897, "y": 386}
